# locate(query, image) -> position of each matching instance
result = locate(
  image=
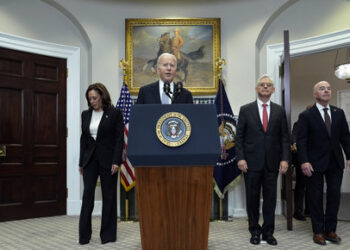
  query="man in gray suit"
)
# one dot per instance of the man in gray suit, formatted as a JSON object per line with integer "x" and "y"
{"x": 262, "y": 150}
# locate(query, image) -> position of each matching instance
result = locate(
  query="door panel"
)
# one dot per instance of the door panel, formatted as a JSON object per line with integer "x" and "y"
{"x": 11, "y": 110}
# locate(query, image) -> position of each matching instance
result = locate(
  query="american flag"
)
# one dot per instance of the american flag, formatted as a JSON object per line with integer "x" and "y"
{"x": 127, "y": 171}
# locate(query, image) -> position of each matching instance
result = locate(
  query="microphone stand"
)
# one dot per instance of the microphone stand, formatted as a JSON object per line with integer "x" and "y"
{"x": 167, "y": 91}
{"x": 177, "y": 90}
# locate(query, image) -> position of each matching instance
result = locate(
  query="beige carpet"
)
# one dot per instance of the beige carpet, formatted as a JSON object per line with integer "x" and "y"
{"x": 61, "y": 232}
{"x": 344, "y": 210}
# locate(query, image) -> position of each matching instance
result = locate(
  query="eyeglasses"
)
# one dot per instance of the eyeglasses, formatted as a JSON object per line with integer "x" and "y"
{"x": 263, "y": 84}
{"x": 324, "y": 88}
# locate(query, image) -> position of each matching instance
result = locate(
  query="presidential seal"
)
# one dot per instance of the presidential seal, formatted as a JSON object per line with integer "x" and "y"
{"x": 173, "y": 129}
{"x": 227, "y": 131}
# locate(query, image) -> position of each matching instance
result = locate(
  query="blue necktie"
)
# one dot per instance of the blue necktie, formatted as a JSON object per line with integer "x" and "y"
{"x": 165, "y": 98}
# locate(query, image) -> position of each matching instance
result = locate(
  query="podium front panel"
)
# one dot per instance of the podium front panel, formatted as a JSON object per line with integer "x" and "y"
{"x": 145, "y": 149}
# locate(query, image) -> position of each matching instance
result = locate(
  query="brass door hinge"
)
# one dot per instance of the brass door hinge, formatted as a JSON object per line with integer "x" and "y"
{"x": 3, "y": 150}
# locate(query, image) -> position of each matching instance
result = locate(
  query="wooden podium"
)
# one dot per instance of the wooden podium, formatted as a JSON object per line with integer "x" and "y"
{"x": 174, "y": 184}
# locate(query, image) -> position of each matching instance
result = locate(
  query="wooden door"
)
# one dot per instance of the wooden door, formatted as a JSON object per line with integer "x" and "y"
{"x": 33, "y": 130}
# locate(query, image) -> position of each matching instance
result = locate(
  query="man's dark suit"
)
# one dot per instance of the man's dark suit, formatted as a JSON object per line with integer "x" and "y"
{"x": 149, "y": 94}
{"x": 324, "y": 152}
{"x": 96, "y": 159}
{"x": 263, "y": 152}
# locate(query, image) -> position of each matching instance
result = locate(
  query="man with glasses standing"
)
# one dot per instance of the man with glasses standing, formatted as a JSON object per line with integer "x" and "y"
{"x": 322, "y": 134}
{"x": 262, "y": 150}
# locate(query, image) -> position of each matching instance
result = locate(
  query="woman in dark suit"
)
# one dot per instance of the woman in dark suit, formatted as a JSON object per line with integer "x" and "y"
{"x": 101, "y": 147}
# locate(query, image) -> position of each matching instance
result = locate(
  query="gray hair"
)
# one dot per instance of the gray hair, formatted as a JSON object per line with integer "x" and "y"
{"x": 262, "y": 77}
{"x": 166, "y": 54}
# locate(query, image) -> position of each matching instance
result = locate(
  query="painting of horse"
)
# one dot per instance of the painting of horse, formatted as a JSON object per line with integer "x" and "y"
{"x": 195, "y": 44}
{"x": 165, "y": 46}
{"x": 194, "y": 58}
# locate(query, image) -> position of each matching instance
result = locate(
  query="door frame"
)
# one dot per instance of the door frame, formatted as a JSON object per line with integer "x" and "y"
{"x": 302, "y": 47}
{"x": 274, "y": 58}
{"x": 72, "y": 55}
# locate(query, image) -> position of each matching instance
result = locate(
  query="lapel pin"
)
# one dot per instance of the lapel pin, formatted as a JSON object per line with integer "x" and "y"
{"x": 106, "y": 116}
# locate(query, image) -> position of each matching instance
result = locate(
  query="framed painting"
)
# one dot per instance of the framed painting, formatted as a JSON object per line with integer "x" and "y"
{"x": 194, "y": 41}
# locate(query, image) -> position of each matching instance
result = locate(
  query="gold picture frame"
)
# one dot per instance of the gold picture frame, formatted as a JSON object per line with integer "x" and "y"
{"x": 197, "y": 53}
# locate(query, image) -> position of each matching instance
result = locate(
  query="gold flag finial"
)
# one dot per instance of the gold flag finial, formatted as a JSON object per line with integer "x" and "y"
{"x": 219, "y": 64}
{"x": 124, "y": 64}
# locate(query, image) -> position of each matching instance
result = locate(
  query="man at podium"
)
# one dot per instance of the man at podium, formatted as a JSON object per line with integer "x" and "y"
{"x": 165, "y": 91}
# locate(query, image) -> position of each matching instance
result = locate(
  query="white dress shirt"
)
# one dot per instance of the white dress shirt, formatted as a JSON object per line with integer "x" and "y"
{"x": 161, "y": 89}
{"x": 320, "y": 108}
{"x": 261, "y": 108}
{"x": 95, "y": 121}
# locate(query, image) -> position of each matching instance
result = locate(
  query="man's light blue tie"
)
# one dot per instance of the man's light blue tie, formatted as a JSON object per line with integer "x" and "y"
{"x": 165, "y": 98}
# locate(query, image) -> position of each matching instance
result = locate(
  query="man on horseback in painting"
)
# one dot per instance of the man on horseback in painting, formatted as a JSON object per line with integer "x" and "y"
{"x": 173, "y": 46}
{"x": 177, "y": 43}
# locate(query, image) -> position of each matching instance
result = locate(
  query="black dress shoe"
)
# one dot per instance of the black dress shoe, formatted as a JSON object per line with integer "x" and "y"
{"x": 255, "y": 239}
{"x": 84, "y": 242}
{"x": 270, "y": 240}
{"x": 299, "y": 217}
{"x": 107, "y": 241}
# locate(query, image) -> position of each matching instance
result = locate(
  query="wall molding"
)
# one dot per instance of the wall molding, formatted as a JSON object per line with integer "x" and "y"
{"x": 302, "y": 47}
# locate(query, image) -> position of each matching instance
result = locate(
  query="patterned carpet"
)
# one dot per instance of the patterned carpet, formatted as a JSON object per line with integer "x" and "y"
{"x": 61, "y": 232}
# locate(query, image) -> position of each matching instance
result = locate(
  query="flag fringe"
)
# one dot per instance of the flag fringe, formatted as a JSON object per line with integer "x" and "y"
{"x": 220, "y": 194}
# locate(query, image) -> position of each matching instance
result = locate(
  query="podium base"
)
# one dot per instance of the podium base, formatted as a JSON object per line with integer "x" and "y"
{"x": 174, "y": 206}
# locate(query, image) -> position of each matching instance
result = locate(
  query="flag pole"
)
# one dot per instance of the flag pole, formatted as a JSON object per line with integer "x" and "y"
{"x": 220, "y": 210}
{"x": 123, "y": 64}
{"x": 126, "y": 206}
{"x": 219, "y": 65}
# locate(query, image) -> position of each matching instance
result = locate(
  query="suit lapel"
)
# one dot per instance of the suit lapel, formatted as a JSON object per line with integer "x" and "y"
{"x": 272, "y": 115}
{"x": 334, "y": 115}
{"x": 156, "y": 92}
{"x": 256, "y": 115}
{"x": 87, "y": 121}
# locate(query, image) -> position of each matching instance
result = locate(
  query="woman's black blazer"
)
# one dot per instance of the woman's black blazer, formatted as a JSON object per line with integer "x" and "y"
{"x": 109, "y": 142}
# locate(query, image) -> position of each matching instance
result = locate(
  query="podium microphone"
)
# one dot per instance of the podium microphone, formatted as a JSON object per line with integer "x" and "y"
{"x": 166, "y": 89}
{"x": 177, "y": 90}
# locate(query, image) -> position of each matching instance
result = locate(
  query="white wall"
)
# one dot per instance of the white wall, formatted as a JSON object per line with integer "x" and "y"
{"x": 103, "y": 23}
{"x": 304, "y": 19}
{"x": 306, "y": 70}
{"x": 98, "y": 28}
{"x": 37, "y": 20}
{"x": 241, "y": 22}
